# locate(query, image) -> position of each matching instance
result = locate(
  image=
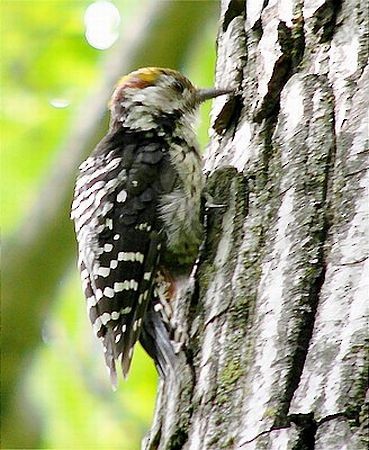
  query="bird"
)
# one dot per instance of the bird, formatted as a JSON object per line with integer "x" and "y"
{"x": 137, "y": 214}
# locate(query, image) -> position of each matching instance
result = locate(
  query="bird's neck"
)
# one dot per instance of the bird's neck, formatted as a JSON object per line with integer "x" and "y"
{"x": 146, "y": 118}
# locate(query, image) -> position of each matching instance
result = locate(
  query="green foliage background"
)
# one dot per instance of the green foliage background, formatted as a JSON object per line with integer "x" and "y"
{"x": 59, "y": 385}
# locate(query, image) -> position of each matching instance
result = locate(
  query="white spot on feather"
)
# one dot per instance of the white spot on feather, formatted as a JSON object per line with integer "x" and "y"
{"x": 113, "y": 264}
{"x": 122, "y": 196}
{"x": 108, "y": 248}
{"x": 104, "y": 318}
{"x": 103, "y": 271}
{"x": 126, "y": 285}
{"x": 97, "y": 325}
{"x": 84, "y": 274}
{"x": 131, "y": 256}
{"x": 119, "y": 287}
{"x": 109, "y": 292}
{"x": 115, "y": 315}
{"x": 91, "y": 301}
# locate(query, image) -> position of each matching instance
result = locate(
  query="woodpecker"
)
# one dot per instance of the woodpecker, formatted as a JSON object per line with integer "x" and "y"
{"x": 136, "y": 211}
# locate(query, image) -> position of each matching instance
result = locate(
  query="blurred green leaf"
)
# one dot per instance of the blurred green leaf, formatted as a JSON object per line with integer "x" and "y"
{"x": 45, "y": 56}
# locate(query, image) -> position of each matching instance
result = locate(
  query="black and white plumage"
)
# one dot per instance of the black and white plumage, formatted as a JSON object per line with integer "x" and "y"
{"x": 137, "y": 213}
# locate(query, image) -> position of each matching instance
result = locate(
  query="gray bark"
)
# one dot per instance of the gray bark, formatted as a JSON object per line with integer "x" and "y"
{"x": 277, "y": 314}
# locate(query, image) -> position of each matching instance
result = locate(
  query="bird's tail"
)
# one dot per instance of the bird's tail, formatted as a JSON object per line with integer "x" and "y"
{"x": 156, "y": 340}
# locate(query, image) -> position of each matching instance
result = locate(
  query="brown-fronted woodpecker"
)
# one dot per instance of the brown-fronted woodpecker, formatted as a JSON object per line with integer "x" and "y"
{"x": 137, "y": 215}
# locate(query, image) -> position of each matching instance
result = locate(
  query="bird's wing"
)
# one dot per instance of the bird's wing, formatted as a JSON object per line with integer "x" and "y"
{"x": 119, "y": 234}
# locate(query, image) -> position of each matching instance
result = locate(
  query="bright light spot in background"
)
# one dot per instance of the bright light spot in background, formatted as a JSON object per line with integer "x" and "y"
{"x": 59, "y": 102}
{"x": 102, "y": 21}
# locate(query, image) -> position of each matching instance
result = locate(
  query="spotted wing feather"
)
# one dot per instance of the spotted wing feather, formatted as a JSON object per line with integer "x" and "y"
{"x": 118, "y": 231}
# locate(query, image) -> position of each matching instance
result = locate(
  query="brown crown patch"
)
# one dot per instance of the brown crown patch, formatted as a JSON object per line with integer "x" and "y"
{"x": 140, "y": 78}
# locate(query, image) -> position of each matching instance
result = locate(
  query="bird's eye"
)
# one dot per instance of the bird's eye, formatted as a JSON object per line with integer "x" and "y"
{"x": 178, "y": 86}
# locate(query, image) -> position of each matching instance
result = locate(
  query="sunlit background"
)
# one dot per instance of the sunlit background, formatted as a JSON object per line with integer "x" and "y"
{"x": 59, "y": 61}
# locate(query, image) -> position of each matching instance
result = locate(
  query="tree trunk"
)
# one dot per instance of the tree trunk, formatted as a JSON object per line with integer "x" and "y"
{"x": 277, "y": 314}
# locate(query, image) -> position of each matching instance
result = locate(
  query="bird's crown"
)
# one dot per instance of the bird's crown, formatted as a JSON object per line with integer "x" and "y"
{"x": 149, "y": 76}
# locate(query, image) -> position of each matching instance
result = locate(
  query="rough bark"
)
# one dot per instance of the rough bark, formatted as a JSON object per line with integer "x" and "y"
{"x": 277, "y": 314}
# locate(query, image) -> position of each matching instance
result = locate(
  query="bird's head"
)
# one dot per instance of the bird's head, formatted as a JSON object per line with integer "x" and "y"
{"x": 148, "y": 95}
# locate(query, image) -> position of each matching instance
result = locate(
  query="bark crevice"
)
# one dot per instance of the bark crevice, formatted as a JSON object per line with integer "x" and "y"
{"x": 235, "y": 9}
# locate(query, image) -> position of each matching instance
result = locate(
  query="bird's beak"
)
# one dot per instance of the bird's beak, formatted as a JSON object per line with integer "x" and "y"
{"x": 206, "y": 94}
